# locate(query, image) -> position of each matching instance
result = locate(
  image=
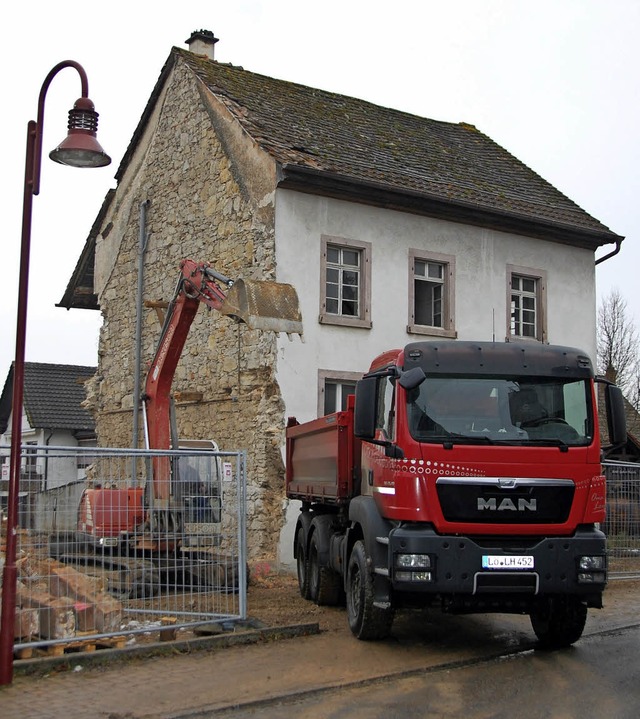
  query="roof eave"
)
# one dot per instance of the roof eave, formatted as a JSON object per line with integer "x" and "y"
{"x": 320, "y": 182}
{"x": 80, "y": 291}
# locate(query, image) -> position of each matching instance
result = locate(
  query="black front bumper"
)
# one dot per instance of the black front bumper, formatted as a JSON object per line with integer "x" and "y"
{"x": 458, "y": 570}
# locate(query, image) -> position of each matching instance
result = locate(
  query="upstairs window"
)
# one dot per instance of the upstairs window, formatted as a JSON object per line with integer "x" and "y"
{"x": 343, "y": 281}
{"x": 431, "y": 294}
{"x": 30, "y": 459}
{"x": 345, "y": 278}
{"x": 527, "y": 296}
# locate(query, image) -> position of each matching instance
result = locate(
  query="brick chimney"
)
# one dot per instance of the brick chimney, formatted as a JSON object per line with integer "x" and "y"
{"x": 202, "y": 42}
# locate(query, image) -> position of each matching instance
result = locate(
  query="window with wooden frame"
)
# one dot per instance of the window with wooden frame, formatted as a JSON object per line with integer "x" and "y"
{"x": 431, "y": 294}
{"x": 345, "y": 282}
{"x": 527, "y": 302}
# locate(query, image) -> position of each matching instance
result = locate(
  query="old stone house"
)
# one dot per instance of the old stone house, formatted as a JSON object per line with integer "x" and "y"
{"x": 392, "y": 228}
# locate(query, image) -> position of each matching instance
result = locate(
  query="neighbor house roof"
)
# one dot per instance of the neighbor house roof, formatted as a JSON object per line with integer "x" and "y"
{"x": 345, "y": 147}
{"x": 53, "y": 394}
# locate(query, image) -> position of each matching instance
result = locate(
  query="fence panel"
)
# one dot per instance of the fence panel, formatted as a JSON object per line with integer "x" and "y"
{"x": 622, "y": 524}
{"x": 115, "y": 553}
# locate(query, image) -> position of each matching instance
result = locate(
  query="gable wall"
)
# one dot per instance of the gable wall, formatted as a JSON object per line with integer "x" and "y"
{"x": 201, "y": 207}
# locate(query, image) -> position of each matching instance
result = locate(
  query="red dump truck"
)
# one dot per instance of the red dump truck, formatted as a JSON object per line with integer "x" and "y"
{"x": 462, "y": 475}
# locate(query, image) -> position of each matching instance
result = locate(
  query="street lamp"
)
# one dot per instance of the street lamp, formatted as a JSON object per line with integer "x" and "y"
{"x": 79, "y": 149}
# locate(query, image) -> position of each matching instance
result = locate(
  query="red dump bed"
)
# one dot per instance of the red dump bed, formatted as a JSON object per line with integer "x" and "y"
{"x": 323, "y": 459}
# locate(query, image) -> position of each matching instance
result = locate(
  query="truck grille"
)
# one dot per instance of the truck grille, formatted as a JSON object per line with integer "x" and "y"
{"x": 499, "y": 500}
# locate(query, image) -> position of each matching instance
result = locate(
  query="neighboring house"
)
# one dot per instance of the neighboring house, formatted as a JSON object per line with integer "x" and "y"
{"x": 392, "y": 227}
{"x": 52, "y": 416}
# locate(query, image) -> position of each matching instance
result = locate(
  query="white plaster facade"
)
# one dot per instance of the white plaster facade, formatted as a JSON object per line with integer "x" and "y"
{"x": 482, "y": 257}
{"x": 481, "y": 308}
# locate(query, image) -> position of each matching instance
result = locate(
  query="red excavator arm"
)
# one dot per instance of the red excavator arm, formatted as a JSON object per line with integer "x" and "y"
{"x": 265, "y": 305}
{"x": 197, "y": 283}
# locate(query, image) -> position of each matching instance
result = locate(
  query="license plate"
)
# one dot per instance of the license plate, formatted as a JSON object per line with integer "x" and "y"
{"x": 512, "y": 561}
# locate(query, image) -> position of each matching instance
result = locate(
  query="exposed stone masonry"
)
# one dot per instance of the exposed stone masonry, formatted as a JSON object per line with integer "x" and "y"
{"x": 201, "y": 207}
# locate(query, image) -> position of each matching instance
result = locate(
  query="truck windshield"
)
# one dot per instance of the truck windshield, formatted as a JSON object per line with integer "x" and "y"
{"x": 512, "y": 411}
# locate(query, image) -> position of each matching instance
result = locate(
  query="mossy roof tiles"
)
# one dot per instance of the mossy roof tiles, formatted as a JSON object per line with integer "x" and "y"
{"x": 329, "y": 133}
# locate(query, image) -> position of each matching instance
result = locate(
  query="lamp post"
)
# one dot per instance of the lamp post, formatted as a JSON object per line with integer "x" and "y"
{"x": 79, "y": 149}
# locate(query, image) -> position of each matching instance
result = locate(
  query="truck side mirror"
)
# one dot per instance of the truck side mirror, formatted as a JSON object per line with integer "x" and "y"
{"x": 412, "y": 378}
{"x": 366, "y": 410}
{"x": 616, "y": 418}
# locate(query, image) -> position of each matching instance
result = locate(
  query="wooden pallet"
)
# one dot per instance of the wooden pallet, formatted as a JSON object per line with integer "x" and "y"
{"x": 75, "y": 645}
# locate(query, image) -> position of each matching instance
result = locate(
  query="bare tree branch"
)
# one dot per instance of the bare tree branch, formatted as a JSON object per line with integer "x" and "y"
{"x": 619, "y": 346}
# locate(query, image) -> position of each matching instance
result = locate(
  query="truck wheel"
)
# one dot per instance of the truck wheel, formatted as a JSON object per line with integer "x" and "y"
{"x": 302, "y": 564}
{"x": 366, "y": 620}
{"x": 559, "y": 622}
{"x": 325, "y": 585}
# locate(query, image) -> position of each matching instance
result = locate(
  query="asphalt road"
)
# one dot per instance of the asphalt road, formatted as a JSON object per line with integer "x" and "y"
{"x": 597, "y": 678}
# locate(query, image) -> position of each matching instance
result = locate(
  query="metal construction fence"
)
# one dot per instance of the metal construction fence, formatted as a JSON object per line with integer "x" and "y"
{"x": 622, "y": 524}
{"x": 105, "y": 552}
{"x": 113, "y": 543}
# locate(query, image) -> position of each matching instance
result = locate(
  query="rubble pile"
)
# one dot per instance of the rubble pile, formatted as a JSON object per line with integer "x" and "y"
{"x": 55, "y": 601}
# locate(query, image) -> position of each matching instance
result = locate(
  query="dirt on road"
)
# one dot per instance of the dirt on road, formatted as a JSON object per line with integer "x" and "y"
{"x": 273, "y": 599}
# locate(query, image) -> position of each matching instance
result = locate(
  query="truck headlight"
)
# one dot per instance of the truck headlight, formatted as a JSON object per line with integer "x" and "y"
{"x": 413, "y": 561}
{"x": 592, "y": 569}
{"x": 413, "y": 568}
{"x": 413, "y": 576}
{"x": 592, "y": 578}
{"x": 592, "y": 563}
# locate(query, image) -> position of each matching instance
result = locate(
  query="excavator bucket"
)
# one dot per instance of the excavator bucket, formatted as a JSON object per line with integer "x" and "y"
{"x": 264, "y": 305}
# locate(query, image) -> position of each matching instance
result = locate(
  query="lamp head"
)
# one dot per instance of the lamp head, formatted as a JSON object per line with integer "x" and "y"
{"x": 81, "y": 148}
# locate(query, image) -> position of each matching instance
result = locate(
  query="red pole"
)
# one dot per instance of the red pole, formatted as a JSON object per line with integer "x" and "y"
{"x": 10, "y": 572}
{"x": 31, "y": 188}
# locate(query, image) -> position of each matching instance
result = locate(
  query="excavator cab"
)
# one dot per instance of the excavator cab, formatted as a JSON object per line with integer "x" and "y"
{"x": 197, "y": 490}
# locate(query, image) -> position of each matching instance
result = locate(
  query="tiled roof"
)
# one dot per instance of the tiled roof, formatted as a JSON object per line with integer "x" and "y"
{"x": 52, "y": 396}
{"x": 352, "y": 149}
{"x": 323, "y": 132}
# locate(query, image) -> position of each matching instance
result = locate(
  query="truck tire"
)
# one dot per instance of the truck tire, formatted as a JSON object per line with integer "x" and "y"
{"x": 559, "y": 622}
{"x": 366, "y": 621}
{"x": 302, "y": 563}
{"x": 325, "y": 585}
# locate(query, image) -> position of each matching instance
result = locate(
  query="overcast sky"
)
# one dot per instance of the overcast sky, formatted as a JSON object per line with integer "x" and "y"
{"x": 552, "y": 81}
